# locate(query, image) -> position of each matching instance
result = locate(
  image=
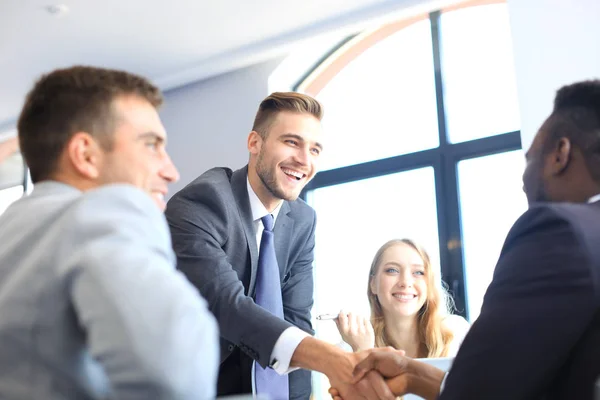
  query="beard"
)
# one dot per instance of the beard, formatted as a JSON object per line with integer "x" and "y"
{"x": 533, "y": 182}
{"x": 538, "y": 194}
{"x": 269, "y": 180}
{"x": 541, "y": 196}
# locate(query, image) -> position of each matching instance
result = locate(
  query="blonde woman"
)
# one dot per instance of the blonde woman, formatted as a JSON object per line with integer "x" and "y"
{"x": 410, "y": 310}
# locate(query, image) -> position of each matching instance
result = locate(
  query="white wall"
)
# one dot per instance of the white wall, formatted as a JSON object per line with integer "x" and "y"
{"x": 208, "y": 121}
{"x": 556, "y": 42}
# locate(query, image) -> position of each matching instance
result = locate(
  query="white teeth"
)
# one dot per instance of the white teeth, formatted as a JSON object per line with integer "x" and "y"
{"x": 404, "y": 296}
{"x": 295, "y": 174}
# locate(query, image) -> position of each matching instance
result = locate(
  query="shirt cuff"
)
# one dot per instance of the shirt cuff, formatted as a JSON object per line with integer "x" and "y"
{"x": 443, "y": 382}
{"x": 284, "y": 349}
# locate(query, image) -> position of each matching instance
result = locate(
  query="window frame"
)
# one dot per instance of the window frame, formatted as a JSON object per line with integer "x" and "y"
{"x": 444, "y": 159}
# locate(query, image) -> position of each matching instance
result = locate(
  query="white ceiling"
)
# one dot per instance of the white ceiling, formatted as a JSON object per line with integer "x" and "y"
{"x": 172, "y": 42}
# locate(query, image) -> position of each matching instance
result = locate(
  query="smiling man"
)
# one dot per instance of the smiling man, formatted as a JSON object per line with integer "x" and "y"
{"x": 91, "y": 303}
{"x": 260, "y": 287}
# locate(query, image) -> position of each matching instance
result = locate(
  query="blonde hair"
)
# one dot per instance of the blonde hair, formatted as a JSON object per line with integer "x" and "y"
{"x": 284, "y": 101}
{"x": 434, "y": 336}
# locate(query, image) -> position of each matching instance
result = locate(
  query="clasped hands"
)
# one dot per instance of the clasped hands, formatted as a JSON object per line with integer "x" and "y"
{"x": 380, "y": 373}
{"x": 386, "y": 373}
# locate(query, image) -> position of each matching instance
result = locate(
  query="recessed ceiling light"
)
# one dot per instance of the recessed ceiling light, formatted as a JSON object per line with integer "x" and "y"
{"x": 57, "y": 10}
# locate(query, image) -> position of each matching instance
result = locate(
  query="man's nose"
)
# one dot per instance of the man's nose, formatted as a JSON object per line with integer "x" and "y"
{"x": 169, "y": 171}
{"x": 303, "y": 155}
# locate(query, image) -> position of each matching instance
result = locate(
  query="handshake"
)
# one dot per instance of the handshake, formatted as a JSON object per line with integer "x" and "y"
{"x": 385, "y": 373}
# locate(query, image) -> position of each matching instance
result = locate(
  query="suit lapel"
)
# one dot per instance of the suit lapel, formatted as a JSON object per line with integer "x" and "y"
{"x": 240, "y": 193}
{"x": 284, "y": 226}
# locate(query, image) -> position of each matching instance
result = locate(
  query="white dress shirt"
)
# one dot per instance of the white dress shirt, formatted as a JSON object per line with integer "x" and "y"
{"x": 594, "y": 199}
{"x": 290, "y": 338}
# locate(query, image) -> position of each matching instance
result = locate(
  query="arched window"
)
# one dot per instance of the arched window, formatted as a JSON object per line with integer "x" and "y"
{"x": 422, "y": 141}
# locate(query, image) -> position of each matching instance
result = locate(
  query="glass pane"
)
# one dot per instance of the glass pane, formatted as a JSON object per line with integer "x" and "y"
{"x": 480, "y": 93}
{"x": 29, "y": 183}
{"x": 491, "y": 200}
{"x": 9, "y": 196}
{"x": 382, "y": 104}
{"x": 12, "y": 171}
{"x": 374, "y": 211}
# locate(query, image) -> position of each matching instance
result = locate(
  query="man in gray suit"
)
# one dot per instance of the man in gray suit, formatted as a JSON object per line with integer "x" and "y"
{"x": 91, "y": 305}
{"x": 216, "y": 228}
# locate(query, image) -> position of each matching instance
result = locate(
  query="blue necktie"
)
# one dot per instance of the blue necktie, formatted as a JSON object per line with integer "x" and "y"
{"x": 268, "y": 296}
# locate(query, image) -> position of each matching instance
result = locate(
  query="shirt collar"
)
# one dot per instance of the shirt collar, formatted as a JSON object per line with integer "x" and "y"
{"x": 53, "y": 187}
{"x": 257, "y": 207}
{"x": 594, "y": 199}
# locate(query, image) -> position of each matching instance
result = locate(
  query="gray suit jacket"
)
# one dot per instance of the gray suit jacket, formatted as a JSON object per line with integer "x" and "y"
{"x": 90, "y": 304}
{"x": 215, "y": 242}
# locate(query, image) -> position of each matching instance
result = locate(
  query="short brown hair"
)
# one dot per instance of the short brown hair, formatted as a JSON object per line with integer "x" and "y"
{"x": 284, "y": 101}
{"x": 76, "y": 99}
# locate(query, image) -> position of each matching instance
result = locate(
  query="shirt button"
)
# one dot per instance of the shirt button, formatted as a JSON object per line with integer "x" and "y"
{"x": 230, "y": 347}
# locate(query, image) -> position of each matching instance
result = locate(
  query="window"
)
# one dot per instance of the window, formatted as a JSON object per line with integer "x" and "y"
{"x": 389, "y": 206}
{"x": 9, "y": 196}
{"x": 12, "y": 174}
{"x": 487, "y": 214}
{"x": 479, "y": 81}
{"x": 375, "y": 93}
{"x": 422, "y": 128}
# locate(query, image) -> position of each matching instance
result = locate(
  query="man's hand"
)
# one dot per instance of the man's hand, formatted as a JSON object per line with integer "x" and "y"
{"x": 338, "y": 365}
{"x": 404, "y": 375}
{"x": 372, "y": 387}
{"x": 390, "y": 364}
{"x": 388, "y": 361}
{"x": 356, "y": 330}
{"x": 369, "y": 385}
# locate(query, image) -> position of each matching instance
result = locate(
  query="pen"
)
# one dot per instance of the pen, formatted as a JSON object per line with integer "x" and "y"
{"x": 324, "y": 317}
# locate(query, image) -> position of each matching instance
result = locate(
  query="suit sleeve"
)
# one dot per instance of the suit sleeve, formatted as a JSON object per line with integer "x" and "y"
{"x": 538, "y": 305}
{"x": 198, "y": 219}
{"x": 144, "y": 323}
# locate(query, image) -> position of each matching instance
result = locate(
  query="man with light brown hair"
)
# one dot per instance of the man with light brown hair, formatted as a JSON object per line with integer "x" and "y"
{"x": 91, "y": 304}
{"x": 246, "y": 241}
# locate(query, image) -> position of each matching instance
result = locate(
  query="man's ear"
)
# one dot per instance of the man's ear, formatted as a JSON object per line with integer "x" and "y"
{"x": 561, "y": 156}
{"x": 255, "y": 142}
{"x": 85, "y": 155}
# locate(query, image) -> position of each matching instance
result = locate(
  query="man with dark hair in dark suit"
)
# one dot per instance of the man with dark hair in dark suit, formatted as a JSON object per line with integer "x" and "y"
{"x": 538, "y": 335}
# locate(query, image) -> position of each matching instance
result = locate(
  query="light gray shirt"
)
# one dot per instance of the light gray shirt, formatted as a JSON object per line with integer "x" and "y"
{"x": 91, "y": 306}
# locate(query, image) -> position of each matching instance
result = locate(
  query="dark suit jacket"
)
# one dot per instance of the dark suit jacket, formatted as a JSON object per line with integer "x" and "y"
{"x": 215, "y": 242}
{"x": 538, "y": 335}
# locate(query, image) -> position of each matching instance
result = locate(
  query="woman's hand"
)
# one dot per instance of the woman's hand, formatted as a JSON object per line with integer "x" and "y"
{"x": 356, "y": 330}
